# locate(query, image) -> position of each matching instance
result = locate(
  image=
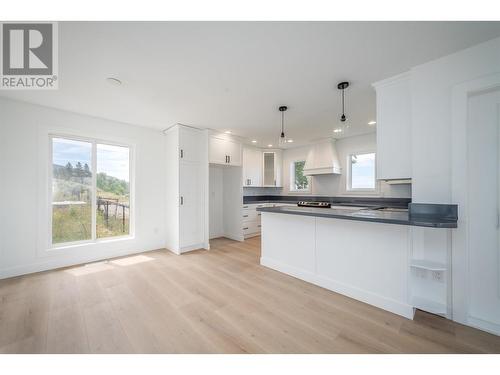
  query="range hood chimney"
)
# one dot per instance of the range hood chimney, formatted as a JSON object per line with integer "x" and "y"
{"x": 322, "y": 159}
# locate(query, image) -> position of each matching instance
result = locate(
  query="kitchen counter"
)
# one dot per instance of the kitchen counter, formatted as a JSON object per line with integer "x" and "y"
{"x": 422, "y": 219}
{"x": 355, "y": 251}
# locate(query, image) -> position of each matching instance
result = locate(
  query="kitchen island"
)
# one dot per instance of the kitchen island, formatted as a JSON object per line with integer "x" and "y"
{"x": 363, "y": 254}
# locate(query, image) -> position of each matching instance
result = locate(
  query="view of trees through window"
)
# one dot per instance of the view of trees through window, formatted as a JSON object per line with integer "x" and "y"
{"x": 73, "y": 190}
{"x": 299, "y": 181}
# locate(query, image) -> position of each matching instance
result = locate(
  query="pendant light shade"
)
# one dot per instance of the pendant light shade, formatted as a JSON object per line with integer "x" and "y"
{"x": 282, "y": 140}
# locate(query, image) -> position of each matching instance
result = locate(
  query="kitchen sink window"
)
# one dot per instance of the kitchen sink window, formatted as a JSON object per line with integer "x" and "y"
{"x": 299, "y": 182}
{"x": 361, "y": 172}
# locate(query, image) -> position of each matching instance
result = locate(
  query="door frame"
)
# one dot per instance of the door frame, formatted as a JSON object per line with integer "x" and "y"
{"x": 459, "y": 195}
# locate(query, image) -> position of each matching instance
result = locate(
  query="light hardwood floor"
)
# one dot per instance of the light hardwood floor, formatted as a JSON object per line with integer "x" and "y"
{"x": 220, "y": 301}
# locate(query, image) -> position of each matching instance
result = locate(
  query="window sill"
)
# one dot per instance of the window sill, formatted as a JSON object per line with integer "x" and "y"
{"x": 298, "y": 192}
{"x": 77, "y": 245}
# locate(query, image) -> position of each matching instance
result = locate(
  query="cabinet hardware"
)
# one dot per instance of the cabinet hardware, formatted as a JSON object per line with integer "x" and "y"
{"x": 182, "y": 153}
{"x": 245, "y": 215}
{"x": 258, "y": 226}
{"x": 246, "y": 228}
{"x": 229, "y": 158}
{"x": 182, "y": 200}
{"x": 245, "y": 206}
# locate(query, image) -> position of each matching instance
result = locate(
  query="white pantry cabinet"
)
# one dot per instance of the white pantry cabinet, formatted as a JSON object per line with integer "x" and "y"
{"x": 224, "y": 151}
{"x": 252, "y": 167}
{"x": 394, "y": 128}
{"x": 271, "y": 165}
{"x": 187, "y": 191}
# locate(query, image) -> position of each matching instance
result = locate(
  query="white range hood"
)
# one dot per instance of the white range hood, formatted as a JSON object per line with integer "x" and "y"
{"x": 322, "y": 159}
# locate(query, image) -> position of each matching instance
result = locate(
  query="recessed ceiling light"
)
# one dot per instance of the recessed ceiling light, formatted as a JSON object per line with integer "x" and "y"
{"x": 228, "y": 132}
{"x": 337, "y": 130}
{"x": 372, "y": 122}
{"x": 113, "y": 81}
{"x": 269, "y": 145}
{"x": 254, "y": 141}
{"x": 290, "y": 141}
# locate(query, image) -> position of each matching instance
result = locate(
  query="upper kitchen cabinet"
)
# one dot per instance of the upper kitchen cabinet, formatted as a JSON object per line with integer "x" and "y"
{"x": 190, "y": 148}
{"x": 224, "y": 151}
{"x": 252, "y": 167}
{"x": 271, "y": 165}
{"x": 394, "y": 128}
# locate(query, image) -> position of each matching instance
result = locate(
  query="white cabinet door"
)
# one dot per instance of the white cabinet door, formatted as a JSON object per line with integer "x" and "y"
{"x": 252, "y": 167}
{"x": 190, "y": 205}
{"x": 272, "y": 165}
{"x": 278, "y": 166}
{"x": 394, "y": 128}
{"x": 217, "y": 151}
{"x": 224, "y": 151}
{"x": 233, "y": 151}
{"x": 268, "y": 165}
{"x": 190, "y": 144}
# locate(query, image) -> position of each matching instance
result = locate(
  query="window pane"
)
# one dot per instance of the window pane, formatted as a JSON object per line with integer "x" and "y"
{"x": 71, "y": 190}
{"x": 113, "y": 191}
{"x": 300, "y": 182}
{"x": 363, "y": 171}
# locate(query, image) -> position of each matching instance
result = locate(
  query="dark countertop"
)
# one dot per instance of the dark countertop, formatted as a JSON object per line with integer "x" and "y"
{"x": 362, "y": 201}
{"x": 421, "y": 219}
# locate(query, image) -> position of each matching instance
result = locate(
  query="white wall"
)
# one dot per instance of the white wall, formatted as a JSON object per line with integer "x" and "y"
{"x": 431, "y": 90}
{"x": 216, "y": 201}
{"x": 438, "y": 153}
{"x": 335, "y": 185}
{"x": 24, "y": 130}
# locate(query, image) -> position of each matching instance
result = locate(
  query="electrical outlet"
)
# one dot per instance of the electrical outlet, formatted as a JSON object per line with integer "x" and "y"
{"x": 437, "y": 275}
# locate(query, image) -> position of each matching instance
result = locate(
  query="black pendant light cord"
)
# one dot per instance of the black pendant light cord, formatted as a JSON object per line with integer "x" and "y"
{"x": 282, "y": 126}
{"x": 282, "y": 110}
{"x": 342, "y": 86}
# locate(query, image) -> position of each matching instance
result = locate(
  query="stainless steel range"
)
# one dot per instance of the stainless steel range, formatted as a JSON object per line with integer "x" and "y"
{"x": 314, "y": 204}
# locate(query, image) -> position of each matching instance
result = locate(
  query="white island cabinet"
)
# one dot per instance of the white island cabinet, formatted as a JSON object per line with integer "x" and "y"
{"x": 363, "y": 260}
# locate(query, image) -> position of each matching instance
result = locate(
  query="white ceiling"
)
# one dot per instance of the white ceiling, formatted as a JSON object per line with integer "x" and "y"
{"x": 234, "y": 75}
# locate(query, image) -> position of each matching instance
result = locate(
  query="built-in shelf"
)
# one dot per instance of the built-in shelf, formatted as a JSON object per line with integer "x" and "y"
{"x": 431, "y": 306}
{"x": 427, "y": 265}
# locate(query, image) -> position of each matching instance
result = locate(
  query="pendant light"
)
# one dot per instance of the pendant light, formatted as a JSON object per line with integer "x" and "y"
{"x": 342, "y": 86}
{"x": 282, "y": 140}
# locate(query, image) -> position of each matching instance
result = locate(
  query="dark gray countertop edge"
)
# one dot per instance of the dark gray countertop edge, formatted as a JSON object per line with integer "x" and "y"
{"x": 419, "y": 221}
{"x": 366, "y": 201}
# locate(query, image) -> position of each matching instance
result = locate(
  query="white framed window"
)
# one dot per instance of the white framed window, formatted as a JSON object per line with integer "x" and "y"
{"x": 299, "y": 182}
{"x": 90, "y": 190}
{"x": 361, "y": 172}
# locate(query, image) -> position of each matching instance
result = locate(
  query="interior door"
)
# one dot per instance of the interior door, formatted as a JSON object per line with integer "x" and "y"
{"x": 483, "y": 278}
{"x": 191, "y": 218}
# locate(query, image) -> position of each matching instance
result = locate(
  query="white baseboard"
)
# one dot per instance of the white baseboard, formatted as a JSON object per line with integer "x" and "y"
{"x": 50, "y": 264}
{"x": 192, "y": 247}
{"x": 484, "y": 325}
{"x": 368, "y": 297}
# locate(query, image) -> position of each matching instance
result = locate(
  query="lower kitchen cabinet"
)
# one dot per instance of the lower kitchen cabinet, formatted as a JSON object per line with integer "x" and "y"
{"x": 251, "y": 219}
